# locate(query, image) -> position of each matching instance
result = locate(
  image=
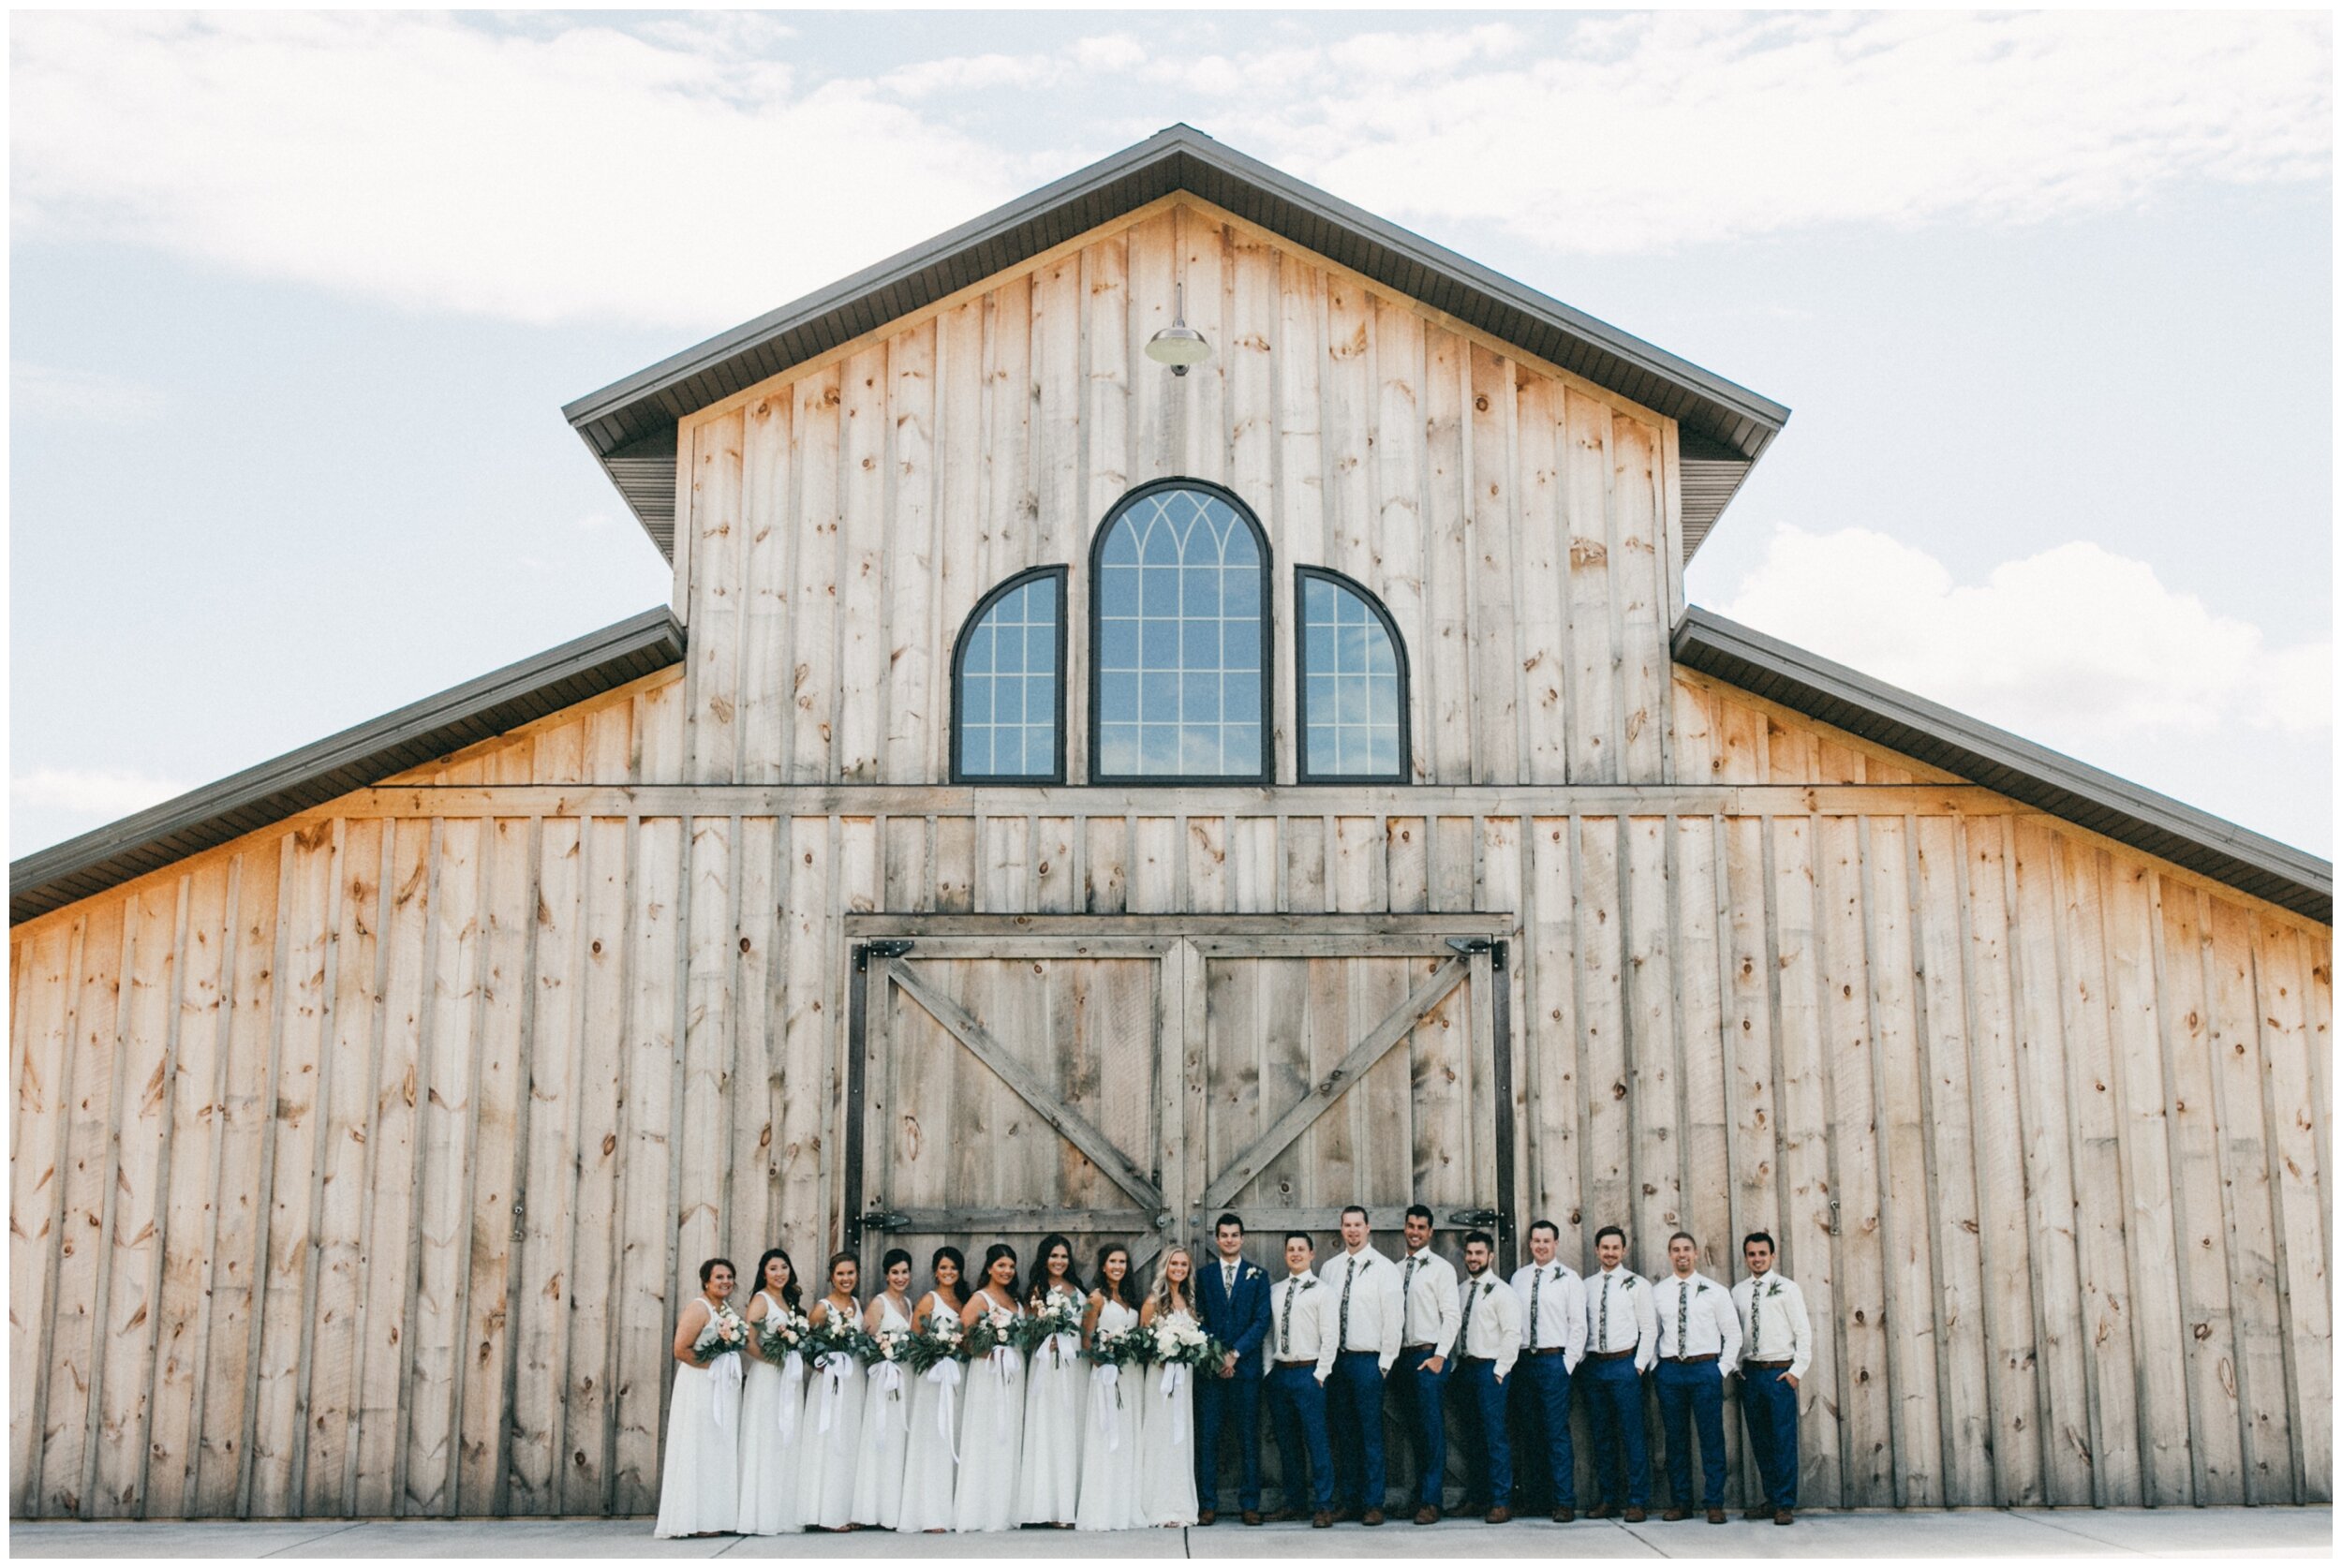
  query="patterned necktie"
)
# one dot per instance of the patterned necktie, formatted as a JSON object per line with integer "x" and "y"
{"x": 1683, "y": 1318}
{"x": 1755, "y": 1321}
{"x": 1285, "y": 1324}
{"x": 1347, "y": 1280}
{"x": 1406, "y": 1293}
{"x": 1463, "y": 1334}
{"x": 1537, "y": 1283}
{"x": 1602, "y": 1330}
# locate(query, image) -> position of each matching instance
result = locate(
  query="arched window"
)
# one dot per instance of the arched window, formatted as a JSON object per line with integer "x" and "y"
{"x": 1353, "y": 673}
{"x": 1008, "y": 688}
{"x": 1178, "y": 622}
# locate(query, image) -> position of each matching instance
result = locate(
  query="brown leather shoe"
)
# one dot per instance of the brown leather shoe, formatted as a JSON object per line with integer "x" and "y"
{"x": 1782, "y": 1516}
{"x": 1758, "y": 1513}
{"x": 1205, "y": 1517}
{"x": 1715, "y": 1516}
{"x": 1565, "y": 1515}
{"x": 1251, "y": 1515}
{"x": 1284, "y": 1515}
{"x": 1676, "y": 1516}
{"x": 1321, "y": 1520}
{"x": 1500, "y": 1515}
{"x": 1371, "y": 1517}
{"x": 1600, "y": 1511}
{"x": 1428, "y": 1514}
{"x": 1633, "y": 1516}
{"x": 1344, "y": 1513}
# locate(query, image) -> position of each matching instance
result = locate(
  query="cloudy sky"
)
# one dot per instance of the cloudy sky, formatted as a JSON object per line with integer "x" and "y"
{"x": 296, "y": 300}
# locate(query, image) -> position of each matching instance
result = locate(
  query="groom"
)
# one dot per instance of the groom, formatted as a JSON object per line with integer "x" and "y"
{"x": 1233, "y": 1296}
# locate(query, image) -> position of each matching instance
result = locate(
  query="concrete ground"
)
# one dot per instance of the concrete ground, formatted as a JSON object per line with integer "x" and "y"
{"x": 2231, "y": 1532}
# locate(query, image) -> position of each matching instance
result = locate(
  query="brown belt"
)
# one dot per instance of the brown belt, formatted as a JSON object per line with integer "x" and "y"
{"x": 1305, "y": 1363}
{"x": 1609, "y": 1355}
{"x": 1425, "y": 1345}
{"x": 1554, "y": 1349}
{"x": 1686, "y": 1360}
{"x": 1771, "y": 1366}
{"x": 1478, "y": 1360}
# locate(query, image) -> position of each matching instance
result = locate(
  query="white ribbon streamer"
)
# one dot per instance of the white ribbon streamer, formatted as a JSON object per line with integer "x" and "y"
{"x": 725, "y": 1373}
{"x": 887, "y": 1377}
{"x": 945, "y": 1376}
{"x": 833, "y": 1367}
{"x": 1003, "y": 1358}
{"x": 1063, "y": 1348}
{"x": 1105, "y": 1392}
{"x": 1174, "y": 1384}
{"x": 792, "y": 1394}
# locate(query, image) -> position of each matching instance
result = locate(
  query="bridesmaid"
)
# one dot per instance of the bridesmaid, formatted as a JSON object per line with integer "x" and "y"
{"x": 991, "y": 1428}
{"x": 1110, "y": 1433}
{"x": 698, "y": 1487}
{"x": 772, "y": 1410}
{"x": 831, "y": 1426}
{"x": 1166, "y": 1475}
{"x": 931, "y": 1464}
{"x": 878, "y": 1476}
{"x": 1048, "y": 1478}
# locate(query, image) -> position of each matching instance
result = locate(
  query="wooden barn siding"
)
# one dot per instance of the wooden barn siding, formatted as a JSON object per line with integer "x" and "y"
{"x": 839, "y": 523}
{"x": 2040, "y": 1122}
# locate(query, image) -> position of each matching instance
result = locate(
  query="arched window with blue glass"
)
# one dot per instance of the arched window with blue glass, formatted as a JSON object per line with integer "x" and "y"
{"x": 1178, "y": 621}
{"x": 1352, "y": 669}
{"x": 1008, "y": 685}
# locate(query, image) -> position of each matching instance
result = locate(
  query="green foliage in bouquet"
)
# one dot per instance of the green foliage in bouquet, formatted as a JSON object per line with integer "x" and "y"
{"x": 943, "y": 1339}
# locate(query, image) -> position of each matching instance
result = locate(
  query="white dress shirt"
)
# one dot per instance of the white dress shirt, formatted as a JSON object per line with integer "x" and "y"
{"x": 1696, "y": 1318}
{"x": 1561, "y": 1315}
{"x": 1495, "y": 1332}
{"x": 1619, "y": 1316}
{"x": 1377, "y": 1315}
{"x": 1432, "y": 1309}
{"x": 1773, "y": 1325}
{"x": 1302, "y": 1322}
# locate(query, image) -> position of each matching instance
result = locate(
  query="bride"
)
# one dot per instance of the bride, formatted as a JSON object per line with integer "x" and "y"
{"x": 1166, "y": 1476}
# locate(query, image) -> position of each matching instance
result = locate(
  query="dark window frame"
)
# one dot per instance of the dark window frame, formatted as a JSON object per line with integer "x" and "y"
{"x": 1268, "y": 632}
{"x": 1301, "y": 773}
{"x": 985, "y": 606}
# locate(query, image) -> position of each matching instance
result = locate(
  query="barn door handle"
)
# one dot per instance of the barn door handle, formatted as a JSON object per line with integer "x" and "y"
{"x": 1475, "y": 1216}
{"x": 881, "y": 1219}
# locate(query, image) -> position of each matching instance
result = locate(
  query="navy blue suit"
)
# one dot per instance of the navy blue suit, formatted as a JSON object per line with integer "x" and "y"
{"x": 1240, "y": 1322}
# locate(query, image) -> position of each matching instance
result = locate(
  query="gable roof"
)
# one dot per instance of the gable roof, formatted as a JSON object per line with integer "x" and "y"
{"x": 2008, "y": 765}
{"x": 367, "y": 754}
{"x": 630, "y": 424}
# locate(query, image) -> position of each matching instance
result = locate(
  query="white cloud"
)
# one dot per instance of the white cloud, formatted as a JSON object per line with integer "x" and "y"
{"x": 2075, "y": 645}
{"x": 80, "y": 396}
{"x": 100, "y": 794}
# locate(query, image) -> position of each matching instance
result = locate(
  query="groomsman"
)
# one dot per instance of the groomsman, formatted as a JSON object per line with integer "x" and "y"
{"x": 1553, "y": 1330}
{"x": 1232, "y": 1295}
{"x": 1427, "y": 1283}
{"x": 1368, "y": 1313}
{"x": 1700, "y": 1336}
{"x": 1305, "y": 1335}
{"x": 1621, "y": 1344}
{"x": 1488, "y": 1341}
{"x": 1776, "y": 1347}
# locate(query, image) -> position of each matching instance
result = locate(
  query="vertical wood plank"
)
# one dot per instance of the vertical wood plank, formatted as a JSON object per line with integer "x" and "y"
{"x": 1445, "y": 653}
{"x": 1489, "y": 516}
{"x": 861, "y": 588}
{"x": 2280, "y": 981}
{"x": 770, "y": 523}
{"x": 917, "y": 641}
{"x": 814, "y": 436}
{"x": 717, "y": 595}
{"x": 1639, "y": 583}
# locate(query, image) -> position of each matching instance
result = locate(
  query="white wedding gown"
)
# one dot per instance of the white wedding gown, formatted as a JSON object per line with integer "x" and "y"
{"x": 772, "y": 1436}
{"x": 991, "y": 1431}
{"x": 1110, "y": 1436}
{"x": 1166, "y": 1473}
{"x": 826, "y": 1459}
{"x": 1048, "y": 1479}
{"x": 877, "y": 1477}
{"x": 699, "y": 1485}
{"x": 930, "y": 1469}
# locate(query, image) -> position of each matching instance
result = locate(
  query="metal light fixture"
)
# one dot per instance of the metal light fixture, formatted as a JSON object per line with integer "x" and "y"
{"x": 1178, "y": 345}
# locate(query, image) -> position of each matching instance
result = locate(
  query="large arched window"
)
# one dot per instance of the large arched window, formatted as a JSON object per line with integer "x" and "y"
{"x": 1352, "y": 668}
{"x": 1178, "y": 621}
{"x": 1008, "y": 686}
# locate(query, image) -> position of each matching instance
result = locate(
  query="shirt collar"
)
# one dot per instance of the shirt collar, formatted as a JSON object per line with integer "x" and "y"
{"x": 1303, "y": 1278}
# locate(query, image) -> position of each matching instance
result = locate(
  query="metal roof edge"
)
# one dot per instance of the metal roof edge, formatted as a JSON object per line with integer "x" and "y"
{"x": 2006, "y": 763}
{"x": 356, "y": 756}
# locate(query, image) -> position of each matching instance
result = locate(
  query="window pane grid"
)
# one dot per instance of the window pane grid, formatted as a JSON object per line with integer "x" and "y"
{"x": 1179, "y": 652}
{"x": 1349, "y": 686}
{"x": 1008, "y": 677}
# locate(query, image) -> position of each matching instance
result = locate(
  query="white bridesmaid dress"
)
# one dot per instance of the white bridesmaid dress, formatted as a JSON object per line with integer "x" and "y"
{"x": 990, "y": 1434}
{"x": 877, "y": 1477}
{"x": 1166, "y": 1471}
{"x": 930, "y": 1461}
{"x": 772, "y": 1434}
{"x": 699, "y": 1485}
{"x": 829, "y": 1442}
{"x": 1110, "y": 1436}
{"x": 1048, "y": 1479}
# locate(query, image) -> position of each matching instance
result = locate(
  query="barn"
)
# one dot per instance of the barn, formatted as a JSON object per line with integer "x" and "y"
{"x": 1066, "y": 791}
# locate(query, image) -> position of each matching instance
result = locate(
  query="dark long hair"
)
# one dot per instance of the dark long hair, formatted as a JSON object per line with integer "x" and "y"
{"x": 993, "y": 1254}
{"x": 1041, "y": 1267}
{"x": 792, "y": 1293}
{"x": 1111, "y": 1289}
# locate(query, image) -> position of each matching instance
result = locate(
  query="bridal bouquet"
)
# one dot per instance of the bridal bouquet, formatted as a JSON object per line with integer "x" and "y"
{"x": 1117, "y": 1348}
{"x": 994, "y": 1329}
{"x": 1176, "y": 1342}
{"x": 724, "y": 1336}
{"x": 1056, "y": 1323}
{"x": 943, "y": 1339}
{"x": 836, "y": 1336}
{"x": 782, "y": 1334}
{"x": 887, "y": 1348}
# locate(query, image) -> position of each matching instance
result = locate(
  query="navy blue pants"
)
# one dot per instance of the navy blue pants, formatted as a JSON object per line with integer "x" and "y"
{"x": 1613, "y": 1394}
{"x": 1543, "y": 1383}
{"x": 1297, "y": 1408}
{"x": 1426, "y": 1422}
{"x": 1224, "y": 1405}
{"x": 1353, "y": 1408}
{"x": 1690, "y": 1396}
{"x": 1491, "y": 1450}
{"x": 1769, "y": 1404}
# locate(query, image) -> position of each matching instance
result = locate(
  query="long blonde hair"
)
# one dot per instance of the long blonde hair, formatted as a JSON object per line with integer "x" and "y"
{"x": 1158, "y": 1293}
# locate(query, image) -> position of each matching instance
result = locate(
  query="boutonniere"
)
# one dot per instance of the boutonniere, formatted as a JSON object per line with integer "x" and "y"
{"x": 1309, "y": 1284}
